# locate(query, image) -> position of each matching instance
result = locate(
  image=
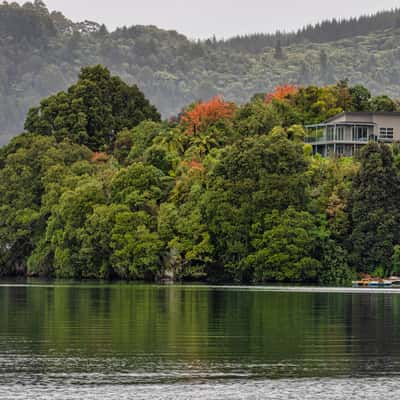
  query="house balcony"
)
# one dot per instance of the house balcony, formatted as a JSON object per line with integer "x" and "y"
{"x": 344, "y": 132}
{"x": 325, "y": 140}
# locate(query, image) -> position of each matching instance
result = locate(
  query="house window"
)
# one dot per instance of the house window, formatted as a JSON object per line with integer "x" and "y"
{"x": 334, "y": 133}
{"x": 386, "y": 133}
{"x": 340, "y": 133}
{"x": 330, "y": 133}
{"x": 360, "y": 133}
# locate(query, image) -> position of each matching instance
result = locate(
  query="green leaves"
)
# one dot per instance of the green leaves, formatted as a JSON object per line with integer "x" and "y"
{"x": 137, "y": 250}
{"x": 189, "y": 247}
{"x": 251, "y": 179}
{"x": 92, "y": 111}
{"x": 286, "y": 248}
{"x": 375, "y": 209}
{"x": 24, "y": 163}
{"x": 139, "y": 186}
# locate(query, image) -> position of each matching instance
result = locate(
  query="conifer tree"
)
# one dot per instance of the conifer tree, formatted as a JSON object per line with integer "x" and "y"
{"x": 278, "y": 50}
{"x": 375, "y": 209}
{"x": 323, "y": 61}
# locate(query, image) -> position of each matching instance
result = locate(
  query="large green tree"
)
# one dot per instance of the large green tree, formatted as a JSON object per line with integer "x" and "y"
{"x": 375, "y": 209}
{"x": 23, "y": 166}
{"x": 286, "y": 247}
{"x": 92, "y": 111}
{"x": 249, "y": 180}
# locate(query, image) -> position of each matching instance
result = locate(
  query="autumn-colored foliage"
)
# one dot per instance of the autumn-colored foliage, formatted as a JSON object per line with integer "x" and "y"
{"x": 99, "y": 157}
{"x": 204, "y": 114}
{"x": 193, "y": 165}
{"x": 281, "y": 92}
{"x": 196, "y": 165}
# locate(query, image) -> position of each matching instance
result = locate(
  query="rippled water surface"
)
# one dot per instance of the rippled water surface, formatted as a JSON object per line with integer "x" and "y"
{"x": 124, "y": 341}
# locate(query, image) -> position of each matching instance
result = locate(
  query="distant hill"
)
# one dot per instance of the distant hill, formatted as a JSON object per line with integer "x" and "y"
{"x": 41, "y": 53}
{"x": 324, "y": 32}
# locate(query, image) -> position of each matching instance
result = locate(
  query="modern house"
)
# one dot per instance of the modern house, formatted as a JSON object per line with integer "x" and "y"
{"x": 345, "y": 133}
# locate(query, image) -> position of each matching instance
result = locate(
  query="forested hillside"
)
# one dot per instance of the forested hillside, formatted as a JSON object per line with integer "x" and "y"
{"x": 42, "y": 53}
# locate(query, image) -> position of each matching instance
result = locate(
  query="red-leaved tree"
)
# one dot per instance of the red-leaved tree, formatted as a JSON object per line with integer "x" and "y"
{"x": 281, "y": 93}
{"x": 99, "y": 157}
{"x": 204, "y": 114}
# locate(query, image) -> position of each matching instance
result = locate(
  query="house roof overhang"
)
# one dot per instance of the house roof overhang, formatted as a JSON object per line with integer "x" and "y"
{"x": 361, "y": 114}
{"x": 347, "y": 123}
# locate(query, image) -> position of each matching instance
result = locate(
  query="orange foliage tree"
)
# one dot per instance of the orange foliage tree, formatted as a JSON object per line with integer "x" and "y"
{"x": 204, "y": 114}
{"x": 281, "y": 93}
{"x": 193, "y": 165}
{"x": 196, "y": 165}
{"x": 99, "y": 157}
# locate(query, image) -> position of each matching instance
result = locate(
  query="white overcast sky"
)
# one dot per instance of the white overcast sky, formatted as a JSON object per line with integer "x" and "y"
{"x": 224, "y": 18}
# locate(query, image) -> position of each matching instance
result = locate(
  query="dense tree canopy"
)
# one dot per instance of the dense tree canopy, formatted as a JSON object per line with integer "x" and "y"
{"x": 92, "y": 111}
{"x": 30, "y": 23}
{"x": 101, "y": 189}
{"x": 24, "y": 164}
{"x": 375, "y": 209}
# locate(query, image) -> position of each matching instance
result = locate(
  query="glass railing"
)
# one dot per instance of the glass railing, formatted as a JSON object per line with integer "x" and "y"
{"x": 311, "y": 139}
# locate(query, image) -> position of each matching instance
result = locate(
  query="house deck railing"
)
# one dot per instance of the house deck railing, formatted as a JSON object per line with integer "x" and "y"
{"x": 324, "y": 140}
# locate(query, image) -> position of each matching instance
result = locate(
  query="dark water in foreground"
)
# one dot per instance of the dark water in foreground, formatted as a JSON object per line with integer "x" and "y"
{"x": 123, "y": 341}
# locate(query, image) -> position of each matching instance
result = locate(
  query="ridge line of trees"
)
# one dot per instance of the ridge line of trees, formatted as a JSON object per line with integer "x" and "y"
{"x": 320, "y": 32}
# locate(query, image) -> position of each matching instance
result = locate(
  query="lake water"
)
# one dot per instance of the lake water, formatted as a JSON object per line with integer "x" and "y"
{"x": 128, "y": 341}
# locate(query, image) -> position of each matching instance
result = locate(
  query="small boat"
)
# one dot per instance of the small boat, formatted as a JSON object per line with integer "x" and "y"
{"x": 374, "y": 283}
{"x": 395, "y": 281}
{"x": 380, "y": 283}
{"x": 362, "y": 283}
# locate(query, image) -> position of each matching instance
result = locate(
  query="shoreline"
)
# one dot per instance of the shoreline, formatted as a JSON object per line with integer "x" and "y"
{"x": 187, "y": 286}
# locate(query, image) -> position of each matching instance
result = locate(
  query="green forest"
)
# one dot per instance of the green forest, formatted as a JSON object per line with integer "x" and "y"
{"x": 41, "y": 53}
{"x": 100, "y": 187}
